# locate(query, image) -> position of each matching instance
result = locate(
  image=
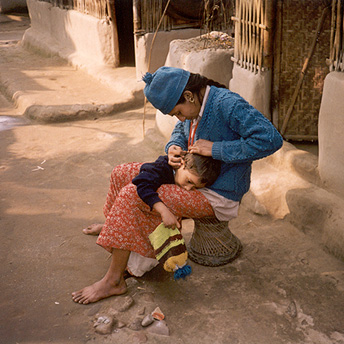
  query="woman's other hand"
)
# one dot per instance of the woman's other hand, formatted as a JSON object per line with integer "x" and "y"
{"x": 175, "y": 156}
{"x": 202, "y": 147}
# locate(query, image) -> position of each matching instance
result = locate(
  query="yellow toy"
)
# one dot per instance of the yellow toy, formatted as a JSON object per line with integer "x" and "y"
{"x": 169, "y": 248}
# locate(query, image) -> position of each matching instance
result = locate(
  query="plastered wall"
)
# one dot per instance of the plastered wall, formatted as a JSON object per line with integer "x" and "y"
{"x": 253, "y": 87}
{"x": 147, "y": 59}
{"x": 79, "y": 38}
{"x": 330, "y": 131}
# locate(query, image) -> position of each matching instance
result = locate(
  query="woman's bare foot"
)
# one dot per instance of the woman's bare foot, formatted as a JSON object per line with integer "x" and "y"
{"x": 99, "y": 290}
{"x": 94, "y": 229}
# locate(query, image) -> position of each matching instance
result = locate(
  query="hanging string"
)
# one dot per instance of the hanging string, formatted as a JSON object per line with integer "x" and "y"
{"x": 149, "y": 61}
{"x": 192, "y": 134}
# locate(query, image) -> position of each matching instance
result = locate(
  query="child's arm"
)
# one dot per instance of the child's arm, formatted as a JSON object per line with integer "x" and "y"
{"x": 169, "y": 219}
{"x": 151, "y": 177}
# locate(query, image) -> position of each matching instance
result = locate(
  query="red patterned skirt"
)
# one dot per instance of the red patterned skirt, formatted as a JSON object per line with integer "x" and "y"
{"x": 129, "y": 220}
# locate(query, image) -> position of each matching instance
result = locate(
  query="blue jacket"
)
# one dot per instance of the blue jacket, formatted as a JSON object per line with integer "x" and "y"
{"x": 240, "y": 134}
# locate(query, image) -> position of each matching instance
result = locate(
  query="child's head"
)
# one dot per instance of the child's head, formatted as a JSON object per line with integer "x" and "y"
{"x": 197, "y": 171}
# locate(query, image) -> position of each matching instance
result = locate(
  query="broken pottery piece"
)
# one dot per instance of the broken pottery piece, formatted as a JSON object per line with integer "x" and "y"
{"x": 159, "y": 327}
{"x": 128, "y": 301}
{"x": 147, "y": 320}
{"x": 141, "y": 311}
{"x": 136, "y": 324}
{"x": 104, "y": 324}
{"x": 121, "y": 324}
{"x": 132, "y": 282}
{"x": 292, "y": 309}
{"x": 158, "y": 314}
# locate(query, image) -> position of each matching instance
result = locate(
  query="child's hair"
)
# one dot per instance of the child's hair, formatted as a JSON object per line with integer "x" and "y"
{"x": 204, "y": 166}
{"x": 196, "y": 83}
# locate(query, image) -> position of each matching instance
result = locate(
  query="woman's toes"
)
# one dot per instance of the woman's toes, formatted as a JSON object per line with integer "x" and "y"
{"x": 94, "y": 229}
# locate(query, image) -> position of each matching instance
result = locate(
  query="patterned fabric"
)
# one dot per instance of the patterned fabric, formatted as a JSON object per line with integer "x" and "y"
{"x": 129, "y": 220}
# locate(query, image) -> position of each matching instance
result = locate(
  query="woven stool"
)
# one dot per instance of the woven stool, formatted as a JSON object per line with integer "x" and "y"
{"x": 212, "y": 243}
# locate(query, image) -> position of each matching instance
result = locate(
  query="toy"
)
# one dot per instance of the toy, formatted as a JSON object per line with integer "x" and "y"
{"x": 170, "y": 250}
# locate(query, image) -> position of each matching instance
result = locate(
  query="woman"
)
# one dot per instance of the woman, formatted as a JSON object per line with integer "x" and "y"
{"x": 212, "y": 122}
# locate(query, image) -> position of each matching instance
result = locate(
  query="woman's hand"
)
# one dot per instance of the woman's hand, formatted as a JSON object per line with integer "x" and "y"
{"x": 202, "y": 147}
{"x": 175, "y": 156}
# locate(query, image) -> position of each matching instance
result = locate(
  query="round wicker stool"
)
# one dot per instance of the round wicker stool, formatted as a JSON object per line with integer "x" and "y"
{"x": 212, "y": 243}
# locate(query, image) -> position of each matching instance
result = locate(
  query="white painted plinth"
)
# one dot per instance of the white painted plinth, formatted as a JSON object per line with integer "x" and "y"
{"x": 330, "y": 133}
{"x": 253, "y": 87}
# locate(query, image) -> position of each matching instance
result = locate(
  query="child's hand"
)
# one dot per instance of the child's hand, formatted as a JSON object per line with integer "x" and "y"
{"x": 175, "y": 156}
{"x": 168, "y": 218}
{"x": 170, "y": 221}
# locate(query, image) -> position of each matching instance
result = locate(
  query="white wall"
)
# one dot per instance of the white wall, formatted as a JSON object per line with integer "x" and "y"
{"x": 213, "y": 63}
{"x": 76, "y": 37}
{"x": 254, "y": 88}
{"x": 160, "y": 48}
{"x": 87, "y": 41}
{"x": 330, "y": 133}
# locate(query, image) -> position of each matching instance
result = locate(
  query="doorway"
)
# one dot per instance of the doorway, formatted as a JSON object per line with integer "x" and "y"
{"x": 125, "y": 32}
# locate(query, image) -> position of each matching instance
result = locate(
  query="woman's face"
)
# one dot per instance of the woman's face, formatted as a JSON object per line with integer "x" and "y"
{"x": 187, "y": 110}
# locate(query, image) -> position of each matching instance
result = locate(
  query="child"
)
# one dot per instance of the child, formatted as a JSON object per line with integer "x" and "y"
{"x": 196, "y": 171}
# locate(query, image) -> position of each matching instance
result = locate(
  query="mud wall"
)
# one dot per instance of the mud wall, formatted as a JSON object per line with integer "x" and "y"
{"x": 159, "y": 50}
{"x": 254, "y": 88}
{"x": 331, "y": 128}
{"x": 81, "y": 39}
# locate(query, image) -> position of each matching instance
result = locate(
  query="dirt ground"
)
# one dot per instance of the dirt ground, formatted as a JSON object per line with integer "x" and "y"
{"x": 283, "y": 289}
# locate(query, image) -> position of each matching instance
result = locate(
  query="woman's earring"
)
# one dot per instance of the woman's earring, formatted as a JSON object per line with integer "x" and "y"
{"x": 191, "y": 100}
